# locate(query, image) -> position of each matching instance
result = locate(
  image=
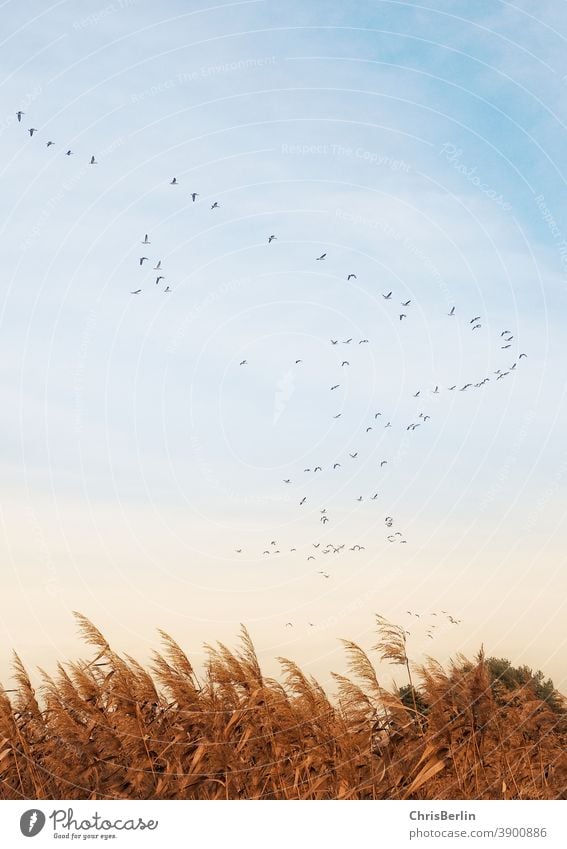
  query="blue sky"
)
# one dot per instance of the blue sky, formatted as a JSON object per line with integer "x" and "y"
{"x": 420, "y": 147}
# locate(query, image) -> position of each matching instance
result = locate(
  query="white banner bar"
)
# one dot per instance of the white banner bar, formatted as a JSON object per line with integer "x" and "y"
{"x": 262, "y": 824}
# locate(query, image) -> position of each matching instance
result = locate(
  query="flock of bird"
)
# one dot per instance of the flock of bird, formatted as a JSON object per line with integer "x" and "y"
{"x": 380, "y": 420}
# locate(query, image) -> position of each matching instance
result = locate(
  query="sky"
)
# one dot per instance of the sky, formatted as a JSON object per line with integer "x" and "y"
{"x": 421, "y": 147}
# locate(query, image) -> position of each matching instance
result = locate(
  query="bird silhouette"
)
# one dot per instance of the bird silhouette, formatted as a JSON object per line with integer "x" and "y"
{"x": 215, "y": 205}
{"x": 244, "y": 362}
{"x": 136, "y": 292}
{"x": 271, "y": 239}
{"x": 352, "y": 277}
{"x": 319, "y": 258}
{"x": 19, "y": 114}
{"x": 173, "y": 182}
{"x": 387, "y": 297}
{"x": 93, "y": 161}
{"x": 143, "y": 259}
{"x": 194, "y": 196}
{"x": 452, "y": 312}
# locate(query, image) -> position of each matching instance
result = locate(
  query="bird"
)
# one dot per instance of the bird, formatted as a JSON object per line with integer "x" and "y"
{"x": 93, "y": 161}
{"x": 334, "y": 341}
{"x": 311, "y": 557}
{"x": 522, "y": 355}
{"x": 136, "y": 292}
{"x": 173, "y": 182}
{"x": 143, "y": 259}
{"x": 303, "y": 500}
{"x": 389, "y": 521}
{"x": 363, "y": 342}
{"x": 435, "y": 391}
{"x": 337, "y": 466}
{"x": 402, "y": 315}
{"x": 417, "y": 393}
{"x": 503, "y": 347}
{"x": 452, "y": 311}
{"x": 337, "y": 416}
{"x": 19, "y": 114}
{"x": 317, "y": 469}
{"x": 359, "y": 498}
{"x": 476, "y": 318}
{"x": 194, "y": 196}
{"x": 352, "y": 277}
{"x": 158, "y": 266}
{"x": 375, "y": 496}
{"x": 145, "y": 240}
{"x": 244, "y": 362}
{"x": 452, "y": 387}
{"x": 347, "y": 341}
{"x": 161, "y": 277}
{"x": 383, "y": 463}
{"x": 319, "y": 258}
{"x": 376, "y": 415}
{"x": 289, "y": 624}
{"x": 387, "y": 297}
{"x": 466, "y": 386}
{"x": 389, "y": 424}
{"x": 368, "y": 429}
{"x": 287, "y": 480}
{"x": 476, "y": 326}
{"x": 354, "y": 456}
{"x": 215, "y": 205}
{"x": 69, "y": 152}
{"x": 298, "y": 361}
{"x": 49, "y": 143}
{"x": 336, "y": 386}
{"x": 505, "y": 332}
{"x": 345, "y": 363}
{"x": 238, "y": 550}
{"x": 31, "y": 131}
{"x": 167, "y": 290}
{"x": 406, "y": 303}
{"x": 271, "y": 239}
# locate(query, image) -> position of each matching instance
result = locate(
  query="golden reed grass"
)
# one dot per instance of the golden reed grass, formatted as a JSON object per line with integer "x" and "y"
{"x": 109, "y": 728}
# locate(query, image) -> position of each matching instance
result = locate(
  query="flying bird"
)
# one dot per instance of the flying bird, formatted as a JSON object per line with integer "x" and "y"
{"x": 388, "y": 296}
{"x": 49, "y": 143}
{"x": 337, "y": 466}
{"x": 402, "y": 315}
{"x": 32, "y": 130}
{"x": 69, "y": 152}
{"x": 244, "y": 363}
{"x": 143, "y": 259}
{"x": 353, "y": 455}
{"x": 161, "y": 277}
{"x": 173, "y": 182}
{"x": 136, "y": 292}
{"x": 406, "y": 303}
{"x": 336, "y": 386}
{"x": 215, "y": 205}
{"x": 476, "y": 318}
{"x": 93, "y": 161}
{"x": 352, "y": 277}
{"x": 194, "y": 196}
{"x": 19, "y": 114}
{"x": 271, "y": 239}
{"x": 146, "y": 241}
{"x": 452, "y": 312}
{"x": 522, "y": 355}
{"x": 167, "y": 290}
{"x": 345, "y": 363}
{"x": 319, "y": 258}
{"x": 303, "y": 500}
{"x": 158, "y": 266}
{"x": 476, "y": 326}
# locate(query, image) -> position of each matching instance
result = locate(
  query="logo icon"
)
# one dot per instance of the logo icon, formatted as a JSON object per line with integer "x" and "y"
{"x": 32, "y": 822}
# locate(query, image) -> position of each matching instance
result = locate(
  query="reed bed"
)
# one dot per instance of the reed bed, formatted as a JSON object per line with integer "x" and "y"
{"x": 109, "y": 728}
